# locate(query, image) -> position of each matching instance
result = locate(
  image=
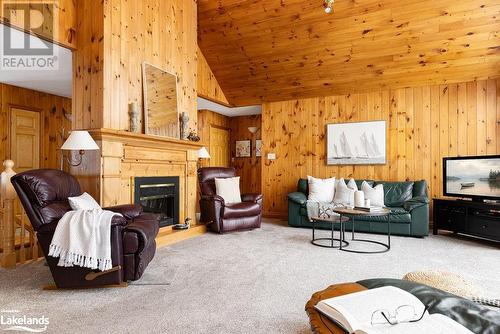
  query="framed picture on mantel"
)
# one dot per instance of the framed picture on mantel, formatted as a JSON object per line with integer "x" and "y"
{"x": 361, "y": 143}
{"x": 243, "y": 148}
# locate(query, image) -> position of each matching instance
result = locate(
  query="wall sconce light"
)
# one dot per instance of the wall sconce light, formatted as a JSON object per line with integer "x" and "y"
{"x": 202, "y": 154}
{"x": 80, "y": 141}
{"x": 253, "y": 129}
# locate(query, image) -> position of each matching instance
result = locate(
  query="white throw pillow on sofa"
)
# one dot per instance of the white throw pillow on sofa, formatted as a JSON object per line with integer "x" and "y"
{"x": 374, "y": 194}
{"x": 83, "y": 202}
{"x": 321, "y": 190}
{"x": 344, "y": 193}
{"x": 228, "y": 189}
{"x": 352, "y": 185}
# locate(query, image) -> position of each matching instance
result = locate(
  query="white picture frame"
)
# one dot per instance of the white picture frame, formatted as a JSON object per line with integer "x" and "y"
{"x": 357, "y": 143}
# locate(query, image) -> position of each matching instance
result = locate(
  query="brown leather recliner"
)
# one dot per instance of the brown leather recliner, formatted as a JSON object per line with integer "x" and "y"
{"x": 222, "y": 217}
{"x": 44, "y": 195}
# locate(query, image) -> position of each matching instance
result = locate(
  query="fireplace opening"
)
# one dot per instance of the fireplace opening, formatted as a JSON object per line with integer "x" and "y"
{"x": 159, "y": 195}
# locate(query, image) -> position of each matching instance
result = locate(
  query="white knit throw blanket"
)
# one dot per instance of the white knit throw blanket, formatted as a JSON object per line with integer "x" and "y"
{"x": 83, "y": 238}
{"x": 322, "y": 209}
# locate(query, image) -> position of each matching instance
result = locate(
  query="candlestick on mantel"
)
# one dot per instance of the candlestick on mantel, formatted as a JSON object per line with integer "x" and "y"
{"x": 134, "y": 117}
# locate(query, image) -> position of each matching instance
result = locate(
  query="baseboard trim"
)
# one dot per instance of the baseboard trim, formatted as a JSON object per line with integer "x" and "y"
{"x": 276, "y": 215}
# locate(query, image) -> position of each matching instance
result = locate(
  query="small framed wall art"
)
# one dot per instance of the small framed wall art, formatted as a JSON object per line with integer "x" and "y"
{"x": 243, "y": 148}
{"x": 258, "y": 148}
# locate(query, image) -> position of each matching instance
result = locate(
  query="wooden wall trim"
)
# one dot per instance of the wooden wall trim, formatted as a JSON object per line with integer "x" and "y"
{"x": 424, "y": 124}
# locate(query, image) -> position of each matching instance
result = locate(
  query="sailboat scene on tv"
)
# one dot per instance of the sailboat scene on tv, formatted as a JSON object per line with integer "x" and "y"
{"x": 473, "y": 177}
{"x": 356, "y": 143}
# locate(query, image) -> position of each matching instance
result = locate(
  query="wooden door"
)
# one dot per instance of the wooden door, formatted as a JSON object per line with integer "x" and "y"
{"x": 219, "y": 147}
{"x": 25, "y": 139}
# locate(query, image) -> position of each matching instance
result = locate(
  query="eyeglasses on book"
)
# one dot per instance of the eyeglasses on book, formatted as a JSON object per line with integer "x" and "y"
{"x": 402, "y": 314}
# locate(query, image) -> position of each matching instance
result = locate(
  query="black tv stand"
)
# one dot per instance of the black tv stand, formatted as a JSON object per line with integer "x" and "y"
{"x": 479, "y": 219}
{"x": 476, "y": 200}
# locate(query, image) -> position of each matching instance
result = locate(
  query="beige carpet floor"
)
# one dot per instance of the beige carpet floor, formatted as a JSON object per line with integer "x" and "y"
{"x": 249, "y": 282}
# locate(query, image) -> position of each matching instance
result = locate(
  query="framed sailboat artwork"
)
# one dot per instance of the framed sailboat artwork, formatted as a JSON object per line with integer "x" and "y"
{"x": 360, "y": 143}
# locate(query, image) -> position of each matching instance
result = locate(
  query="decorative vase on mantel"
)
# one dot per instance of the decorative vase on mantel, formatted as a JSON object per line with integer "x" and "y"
{"x": 184, "y": 125}
{"x": 134, "y": 117}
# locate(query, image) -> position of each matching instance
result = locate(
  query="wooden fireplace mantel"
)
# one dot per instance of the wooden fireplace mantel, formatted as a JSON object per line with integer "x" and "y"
{"x": 140, "y": 139}
{"x": 110, "y": 173}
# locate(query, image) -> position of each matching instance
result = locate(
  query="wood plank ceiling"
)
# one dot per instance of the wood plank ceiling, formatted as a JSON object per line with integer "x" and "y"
{"x": 261, "y": 50}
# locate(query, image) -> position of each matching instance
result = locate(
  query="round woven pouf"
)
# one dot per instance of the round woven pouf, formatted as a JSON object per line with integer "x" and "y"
{"x": 445, "y": 281}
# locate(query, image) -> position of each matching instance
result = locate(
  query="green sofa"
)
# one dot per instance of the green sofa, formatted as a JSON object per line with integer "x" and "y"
{"x": 408, "y": 202}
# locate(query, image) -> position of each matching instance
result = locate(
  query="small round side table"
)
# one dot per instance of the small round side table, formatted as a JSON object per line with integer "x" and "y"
{"x": 352, "y": 214}
{"x": 332, "y": 221}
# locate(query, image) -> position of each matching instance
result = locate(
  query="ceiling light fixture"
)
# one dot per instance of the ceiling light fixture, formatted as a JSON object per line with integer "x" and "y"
{"x": 328, "y": 4}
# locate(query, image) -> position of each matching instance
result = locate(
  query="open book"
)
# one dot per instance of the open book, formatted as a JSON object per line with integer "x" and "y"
{"x": 353, "y": 312}
{"x": 370, "y": 208}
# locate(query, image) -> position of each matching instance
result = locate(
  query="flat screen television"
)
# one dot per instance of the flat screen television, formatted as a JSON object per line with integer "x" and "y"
{"x": 477, "y": 177}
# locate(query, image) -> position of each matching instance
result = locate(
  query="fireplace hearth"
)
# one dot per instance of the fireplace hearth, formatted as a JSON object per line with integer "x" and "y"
{"x": 159, "y": 195}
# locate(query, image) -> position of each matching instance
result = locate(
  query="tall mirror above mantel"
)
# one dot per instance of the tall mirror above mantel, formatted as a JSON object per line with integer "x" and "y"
{"x": 161, "y": 112}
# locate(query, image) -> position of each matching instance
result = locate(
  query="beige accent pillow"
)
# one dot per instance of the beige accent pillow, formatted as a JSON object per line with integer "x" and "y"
{"x": 344, "y": 193}
{"x": 83, "y": 202}
{"x": 375, "y": 194}
{"x": 228, "y": 189}
{"x": 321, "y": 190}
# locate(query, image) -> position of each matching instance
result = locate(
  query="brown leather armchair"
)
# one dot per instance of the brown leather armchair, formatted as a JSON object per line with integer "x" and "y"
{"x": 44, "y": 195}
{"x": 222, "y": 217}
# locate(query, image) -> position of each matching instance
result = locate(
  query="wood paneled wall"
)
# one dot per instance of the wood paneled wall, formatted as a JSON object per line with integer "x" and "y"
{"x": 88, "y": 66}
{"x": 208, "y": 86}
{"x": 51, "y": 108}
{"x": 424, "y": 125}
{"x": 63, "y": 15}
{"x": 114, "y": 39}
{"x": 249, "y": 169}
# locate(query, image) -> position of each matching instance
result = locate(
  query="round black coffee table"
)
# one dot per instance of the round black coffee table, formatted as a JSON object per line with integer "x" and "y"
{"x": 332, "y": 221}
{"x": 351, "y": 214}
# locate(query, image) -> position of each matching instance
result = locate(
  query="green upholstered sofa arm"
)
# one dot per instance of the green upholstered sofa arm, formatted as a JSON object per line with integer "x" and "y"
{"x": 415, "y": 202}
{"x": 297, "y": 197}
{"x": 419, "y": 210}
